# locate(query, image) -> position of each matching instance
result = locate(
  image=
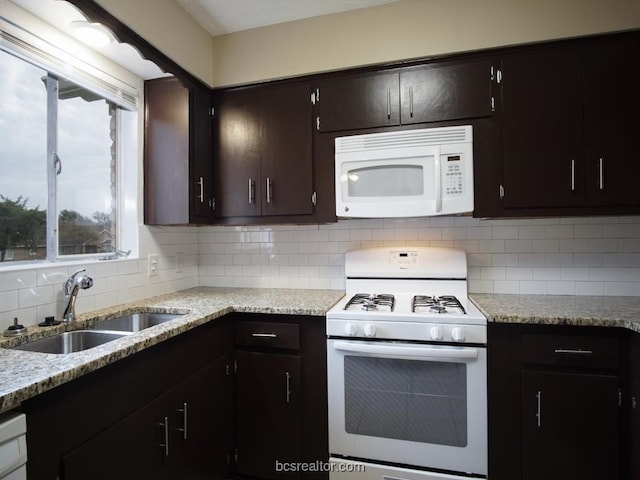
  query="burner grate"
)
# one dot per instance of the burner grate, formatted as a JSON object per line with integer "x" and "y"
{"x": 436, "y": 304}
{"x": 371, "y": 301}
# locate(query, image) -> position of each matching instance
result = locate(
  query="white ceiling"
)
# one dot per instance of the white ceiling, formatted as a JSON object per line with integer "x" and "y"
{"x": 220, "y": 17}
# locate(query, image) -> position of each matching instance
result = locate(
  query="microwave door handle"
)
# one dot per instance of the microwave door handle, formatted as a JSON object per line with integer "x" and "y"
{"x": 409, "y": 352}
{"x": 438, "y": 179}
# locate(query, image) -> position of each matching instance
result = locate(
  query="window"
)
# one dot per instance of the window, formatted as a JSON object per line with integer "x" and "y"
{"x": 61, "y": 149}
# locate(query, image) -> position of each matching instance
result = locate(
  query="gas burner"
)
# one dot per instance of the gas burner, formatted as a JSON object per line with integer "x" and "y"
{"x": 371, "y": 302}
{"x": 435, "y": 304}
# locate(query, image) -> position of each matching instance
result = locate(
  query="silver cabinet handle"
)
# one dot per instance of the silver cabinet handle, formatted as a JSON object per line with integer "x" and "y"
{"x": 269, "y": 190}
{"x": 201, "y": 196}
{"x": 539, "y": 410}
{"x": 573, "y": 175}
{"x": 388, "y": 103}
{"x": 288, "y": 376}
{"x": 183, "y": 411}
{"x": 251, "y": 192}
{"x": 264, "y": 335}
{"x": 573, "y": 352}
{"x": 411, "y": 101}
{"x": 601, "y": 173}
{"x": 165, "y": 427}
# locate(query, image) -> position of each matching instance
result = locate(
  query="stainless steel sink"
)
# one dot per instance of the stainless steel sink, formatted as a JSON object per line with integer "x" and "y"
{"x": 135, "y": 322}
{"x": 70, "y": 342}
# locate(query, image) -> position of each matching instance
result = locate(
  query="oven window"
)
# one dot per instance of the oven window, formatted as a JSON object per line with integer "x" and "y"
{"x": 420, "y": 401}
{"x": 386, "y": 181}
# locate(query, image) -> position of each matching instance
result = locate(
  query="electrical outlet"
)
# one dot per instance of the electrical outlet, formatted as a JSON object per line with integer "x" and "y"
{"x": 179, "y": 262}
{"x": 152, "y": 265}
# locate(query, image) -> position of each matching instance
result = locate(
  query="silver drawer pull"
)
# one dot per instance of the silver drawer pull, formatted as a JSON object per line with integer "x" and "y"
{"x": 539, "y": 408}
{"x": 165, "y": 428}
{"x": 264, "y": 335}
{"x": 183, "y": 411}
{"x": 572, "y": 352}
{"x": 288, "y": 392}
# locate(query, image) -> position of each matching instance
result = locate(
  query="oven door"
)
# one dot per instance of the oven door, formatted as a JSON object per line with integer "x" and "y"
{"x": 412, "y": 404}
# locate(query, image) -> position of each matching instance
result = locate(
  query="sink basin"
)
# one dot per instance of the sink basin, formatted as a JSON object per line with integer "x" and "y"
{"x": 135, "y": 322}
{"x": 70, "y": 342}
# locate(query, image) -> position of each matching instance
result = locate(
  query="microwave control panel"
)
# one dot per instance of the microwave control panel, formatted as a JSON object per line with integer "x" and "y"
{"x": 453, "y": 175}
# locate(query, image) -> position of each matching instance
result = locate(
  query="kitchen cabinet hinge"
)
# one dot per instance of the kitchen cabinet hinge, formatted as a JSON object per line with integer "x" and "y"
{"x": 315, "y": 96}
{"x": 501, "y": 192}
{"x": 314, "y": 198}
{"x": 318, "y": 123}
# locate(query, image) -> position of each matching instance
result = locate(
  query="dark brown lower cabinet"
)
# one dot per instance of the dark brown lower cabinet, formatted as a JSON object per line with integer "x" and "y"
{"x": 127, "y": 420}
{"x": 173, "y": 437}
{"x": 269, "y": 413}
{"x": 634, "y": 405}
{"x": 569, "y": 426}
{"x": 557, "y": 403}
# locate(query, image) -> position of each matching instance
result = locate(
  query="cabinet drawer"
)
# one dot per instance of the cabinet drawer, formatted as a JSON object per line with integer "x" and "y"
{"x": 267, "y": 334}
{"x": 570, "y": 350}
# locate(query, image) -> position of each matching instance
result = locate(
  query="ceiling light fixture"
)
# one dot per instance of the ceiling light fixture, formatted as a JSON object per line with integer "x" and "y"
{"x": 92, "y": 34}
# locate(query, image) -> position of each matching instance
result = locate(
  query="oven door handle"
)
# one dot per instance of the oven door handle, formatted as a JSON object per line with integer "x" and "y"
{"x": 408, "y": 352}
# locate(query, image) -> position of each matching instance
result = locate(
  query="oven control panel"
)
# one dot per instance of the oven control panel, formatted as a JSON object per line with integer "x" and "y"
{"x": 393, "y": 330}
{"x": 403, "y": 257}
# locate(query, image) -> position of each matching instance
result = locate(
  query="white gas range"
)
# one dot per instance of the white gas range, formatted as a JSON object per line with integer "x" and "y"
{"x": 407, "y": 367}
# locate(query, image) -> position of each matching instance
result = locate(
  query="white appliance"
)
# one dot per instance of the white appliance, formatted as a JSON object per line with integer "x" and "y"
{"x": 406, "y": 173}
{"x": 406, "y": 362}
{"x": 13, "y": 446}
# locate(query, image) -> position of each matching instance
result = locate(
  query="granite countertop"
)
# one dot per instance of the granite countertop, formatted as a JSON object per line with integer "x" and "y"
{"x": 26, "y": 374}
{"x": 596, "y": 311}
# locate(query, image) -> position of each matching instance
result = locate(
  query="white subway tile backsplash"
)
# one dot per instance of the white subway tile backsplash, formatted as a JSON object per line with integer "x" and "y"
{"x": 556, "y": 256}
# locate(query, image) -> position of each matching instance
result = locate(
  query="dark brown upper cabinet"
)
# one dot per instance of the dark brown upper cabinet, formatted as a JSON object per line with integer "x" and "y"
{"x": 568, "y": 112}
{"x": 445, "y": 91}
{"x": 178, "y": 176}
{"x": 432, "y": 92}
{"x": 364, "y": 100}
{"x": 263, "y": 151}
{"x": 542, "y": 129}
{"x": 611, "y": 76}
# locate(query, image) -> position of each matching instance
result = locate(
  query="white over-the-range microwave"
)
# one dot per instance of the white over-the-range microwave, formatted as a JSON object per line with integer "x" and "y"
{"x": 405, "y": 173}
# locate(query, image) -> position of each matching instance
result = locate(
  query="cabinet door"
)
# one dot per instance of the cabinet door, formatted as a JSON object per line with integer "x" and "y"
{"x": 202, "y": 424}
{"x": 132, "y": 449}
{"x": 166, "y": 153}
{"x": 542, "y": 129}
{"x": 569, "y": 426}
{"x": 359, "y": 101}
{"x": 286, "y": 148}
{"x": 201, "y": 155}
{"x": 612, "y": 123}
{"x": 237, "y": 153}
{"x": 635, "y": 405}
{"x": 439, "y": 92}
{"x": 269, "y": 413}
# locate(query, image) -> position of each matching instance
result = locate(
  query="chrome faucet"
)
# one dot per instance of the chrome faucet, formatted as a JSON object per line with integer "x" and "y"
{"x": 72, "y": 286}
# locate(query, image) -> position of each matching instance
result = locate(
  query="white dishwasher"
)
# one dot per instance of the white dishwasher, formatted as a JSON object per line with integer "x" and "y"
{"x": 13, "y": 446}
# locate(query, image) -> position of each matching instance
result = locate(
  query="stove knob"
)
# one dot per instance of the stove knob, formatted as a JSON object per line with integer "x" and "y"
{"x": 350, "y": 330}
{"x": 457, "y": 334}
{"x": 369, "y": 330}
{"x": 435, "y": 333}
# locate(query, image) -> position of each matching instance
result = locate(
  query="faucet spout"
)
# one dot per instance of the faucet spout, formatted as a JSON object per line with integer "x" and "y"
{"x": 78, "y": 280}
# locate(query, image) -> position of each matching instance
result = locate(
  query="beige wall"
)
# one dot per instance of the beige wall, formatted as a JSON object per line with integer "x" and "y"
{"x": 409, "y": 29}
{"x": 169, "y": 28}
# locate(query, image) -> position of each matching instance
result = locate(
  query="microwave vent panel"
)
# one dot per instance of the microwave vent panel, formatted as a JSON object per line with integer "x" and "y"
{"x": 405, "y": 138}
